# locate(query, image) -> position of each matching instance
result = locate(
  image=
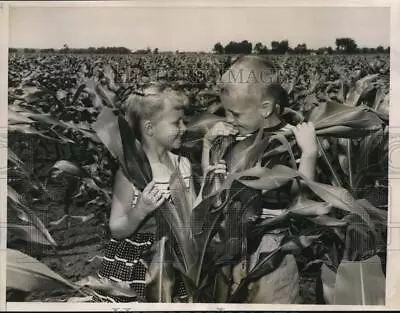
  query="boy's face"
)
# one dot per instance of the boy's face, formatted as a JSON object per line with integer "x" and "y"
{"x": 244, "y": 97}
{"x": 243, "y": 108}
{"x": 168, "y": 127}
{"x": 243, "y": 112}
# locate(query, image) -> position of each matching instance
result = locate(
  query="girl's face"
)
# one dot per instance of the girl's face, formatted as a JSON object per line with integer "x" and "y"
{"x": 168, "y": 128}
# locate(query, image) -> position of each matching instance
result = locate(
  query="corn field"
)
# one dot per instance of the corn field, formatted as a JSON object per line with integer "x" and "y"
{"x": 61, "y": 168}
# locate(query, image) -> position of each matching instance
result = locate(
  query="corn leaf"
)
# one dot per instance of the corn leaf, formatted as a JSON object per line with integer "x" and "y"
{"x": 11, "y": 156}
{"x": 28, "y": 215}
{"x": 360, "y": 87}
{"x": 176, "y": 227}
{"x": 15, "y": 118}
{"x": 92, "y": 184}
{"x": 326, "y": 220}
{"x": 71, "y": 168}
{"x": 249, "y": 156}
{"x": 160, "y": 276}
{"x": 328, "y": 278}
{"x": 279, "y": 221}
{"x": 107, "y": 129}
{"x": 325, "y": 157}
{"x": 28, "y": 129}
{"x": 181, "y": 220}
{"x": 307, "y": 207}
{"x": 372, "y": 210}
{"x": 340, "y": 120}
{"x": 103, "y": 95}
{"x": 203, "y": 225}
{"x": 28, "y": 233}
{"x": 181, "y": 199}
{"x": 117, "y": 136}
{"x": 28, "y": 274}
{"x": 222, "y": 284}
{"x": 122, "y": 289}
{"x": 360, "y": 283}
{"x": 287, "y": 147}
{"x": 22, "y": 215}
{"x": 109, "y": 73}
{"x": 45, "y": 118}
{"x": 341, "y": 199}
{"x": 232, "y": 233}
{"x": 80, "y": 218}
{"x": 271, "y": 178}
{"x": 14, "y": 196}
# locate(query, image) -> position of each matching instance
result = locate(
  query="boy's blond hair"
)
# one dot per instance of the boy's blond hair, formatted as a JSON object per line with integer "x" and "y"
{"x": 259, "y": 76}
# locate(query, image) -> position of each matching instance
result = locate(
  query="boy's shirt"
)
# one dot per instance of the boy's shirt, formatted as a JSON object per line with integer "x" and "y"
{"x": 283, "y": 282}
{"x": 270, "y": 203}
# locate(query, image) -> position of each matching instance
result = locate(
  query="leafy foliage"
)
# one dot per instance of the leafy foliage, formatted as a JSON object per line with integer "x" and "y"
{"x": 76, "y": 104}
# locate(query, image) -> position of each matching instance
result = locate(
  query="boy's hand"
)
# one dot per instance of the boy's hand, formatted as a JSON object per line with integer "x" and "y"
{"x": 151, "y": 198}
{"x": 220, "y": 129}
{"x": 219, "y": 168}
{"x": 306, "y": 138}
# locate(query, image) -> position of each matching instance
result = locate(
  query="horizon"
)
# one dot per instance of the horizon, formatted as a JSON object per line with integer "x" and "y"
{"x": 183, "y": 29}
{"x": 174, "y": 50}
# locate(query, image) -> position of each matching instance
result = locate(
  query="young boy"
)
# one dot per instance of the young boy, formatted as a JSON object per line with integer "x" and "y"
{"x": 250, "y": 95}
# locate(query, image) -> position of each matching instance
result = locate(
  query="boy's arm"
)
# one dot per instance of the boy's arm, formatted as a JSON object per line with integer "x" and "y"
{"x": 307, "y": 141}
{"x": 308, "y": 164}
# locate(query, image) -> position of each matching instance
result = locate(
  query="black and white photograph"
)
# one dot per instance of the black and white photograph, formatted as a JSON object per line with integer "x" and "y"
{"x": 197, "y": 154}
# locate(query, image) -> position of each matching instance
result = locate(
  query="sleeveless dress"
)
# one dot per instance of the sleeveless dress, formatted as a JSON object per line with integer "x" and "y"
{"x": 127, "y": 260}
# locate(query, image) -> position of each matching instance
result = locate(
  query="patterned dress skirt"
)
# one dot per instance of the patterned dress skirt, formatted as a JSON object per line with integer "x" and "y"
{"x": 127, "y": 260}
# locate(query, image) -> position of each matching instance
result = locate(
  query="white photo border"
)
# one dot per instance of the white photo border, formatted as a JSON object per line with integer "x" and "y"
{"x": 393, "y": 248}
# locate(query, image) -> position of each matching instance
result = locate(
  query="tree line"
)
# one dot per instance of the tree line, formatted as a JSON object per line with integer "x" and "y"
{"x": 66, "y": 49}
{"x": 342, "y": 45}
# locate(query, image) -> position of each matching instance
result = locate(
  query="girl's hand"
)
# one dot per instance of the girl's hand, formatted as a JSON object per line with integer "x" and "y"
{"x": 220, "y": 129}
{"x": 151, "y": 198}
{"x": 306, "y": 138}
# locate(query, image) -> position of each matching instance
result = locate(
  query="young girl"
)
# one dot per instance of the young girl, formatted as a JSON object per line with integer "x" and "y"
{"x": 156, "y": 116}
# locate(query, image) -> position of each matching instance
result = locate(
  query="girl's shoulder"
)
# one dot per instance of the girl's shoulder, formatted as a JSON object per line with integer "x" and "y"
{"x": 185, "y": 167}
{"x": 183, "y": 163}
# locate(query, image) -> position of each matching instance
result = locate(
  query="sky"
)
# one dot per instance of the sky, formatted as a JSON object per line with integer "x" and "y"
{"x": 195, "y": 29}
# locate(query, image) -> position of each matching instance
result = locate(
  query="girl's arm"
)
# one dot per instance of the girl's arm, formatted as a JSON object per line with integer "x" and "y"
{"x": 125, "y": 218}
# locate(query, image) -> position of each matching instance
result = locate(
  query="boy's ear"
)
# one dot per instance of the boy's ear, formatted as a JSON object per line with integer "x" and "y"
{"x": 267, "y": 108}
{"x": 148, "y": 127}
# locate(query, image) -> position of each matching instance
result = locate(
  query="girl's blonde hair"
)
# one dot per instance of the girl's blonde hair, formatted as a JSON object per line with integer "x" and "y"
{"x": 147, "y": 102}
